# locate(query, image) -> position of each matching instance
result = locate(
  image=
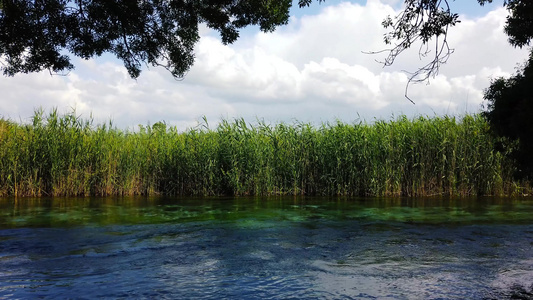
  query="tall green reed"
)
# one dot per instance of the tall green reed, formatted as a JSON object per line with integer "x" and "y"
{"x": 67, "y": 156}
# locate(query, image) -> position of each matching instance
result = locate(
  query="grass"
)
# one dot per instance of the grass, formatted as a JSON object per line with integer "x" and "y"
{"x": 68, "y": 156}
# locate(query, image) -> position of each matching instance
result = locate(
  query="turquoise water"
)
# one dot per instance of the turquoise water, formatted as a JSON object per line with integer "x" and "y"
{"x": 267, "y": 248}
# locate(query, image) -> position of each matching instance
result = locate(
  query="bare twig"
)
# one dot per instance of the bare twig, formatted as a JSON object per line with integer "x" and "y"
{"x": 422, "y": 21}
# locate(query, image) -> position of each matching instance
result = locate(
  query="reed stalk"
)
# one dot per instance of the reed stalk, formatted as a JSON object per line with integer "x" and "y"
{"x": 67, "y": 156}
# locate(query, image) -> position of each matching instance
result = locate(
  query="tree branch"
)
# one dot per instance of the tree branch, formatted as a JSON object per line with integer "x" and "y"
{"x": 421, "y": 21}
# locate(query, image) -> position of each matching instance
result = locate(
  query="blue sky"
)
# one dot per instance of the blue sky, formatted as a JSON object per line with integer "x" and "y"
{"x": 312, "y": 70}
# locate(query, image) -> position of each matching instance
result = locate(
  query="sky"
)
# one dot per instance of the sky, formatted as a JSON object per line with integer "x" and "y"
{"x": 315, "y": 69}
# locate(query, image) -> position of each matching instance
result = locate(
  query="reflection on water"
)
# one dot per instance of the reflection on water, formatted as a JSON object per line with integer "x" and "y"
{"x": 267, "y": 248}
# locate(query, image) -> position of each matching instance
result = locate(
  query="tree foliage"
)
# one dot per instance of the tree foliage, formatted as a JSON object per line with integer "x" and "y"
{"x": 422, "y": 21}
{"x": 43, "y": 34}
{"x": 519, "y": 25}
{"x": 510, "y": 112}
{"x": 426, "y": 23}
{"x": 510, "y": 100}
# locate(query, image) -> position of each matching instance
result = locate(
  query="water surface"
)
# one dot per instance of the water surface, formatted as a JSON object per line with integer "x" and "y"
{"x": 257, "y": 248}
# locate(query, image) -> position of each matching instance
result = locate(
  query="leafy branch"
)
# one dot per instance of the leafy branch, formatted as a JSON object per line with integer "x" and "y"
{"x": 422, "y": 21}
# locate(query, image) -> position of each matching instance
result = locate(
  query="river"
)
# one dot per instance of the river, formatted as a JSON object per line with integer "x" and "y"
{"x": 266, "y": 248}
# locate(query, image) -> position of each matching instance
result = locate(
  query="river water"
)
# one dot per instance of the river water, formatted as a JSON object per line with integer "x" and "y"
{"x": 266, "y": 248}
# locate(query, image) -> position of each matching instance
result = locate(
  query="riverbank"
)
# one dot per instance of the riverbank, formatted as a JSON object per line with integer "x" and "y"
{"x": 68, "y": 156}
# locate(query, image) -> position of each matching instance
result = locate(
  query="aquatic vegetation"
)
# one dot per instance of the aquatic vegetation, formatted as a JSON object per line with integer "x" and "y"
{"x": 68, "y": 156}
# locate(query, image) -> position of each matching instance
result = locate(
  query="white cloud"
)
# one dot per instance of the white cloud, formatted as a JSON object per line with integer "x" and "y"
{"x": 343, "y": 31}
{"x": 311, "y": 70}
{"x": 341, "y": 83}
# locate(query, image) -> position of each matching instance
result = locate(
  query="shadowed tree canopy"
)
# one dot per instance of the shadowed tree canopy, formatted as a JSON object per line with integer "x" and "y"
{"x": 510, "y": 114}
{"x": 42, "y": 34}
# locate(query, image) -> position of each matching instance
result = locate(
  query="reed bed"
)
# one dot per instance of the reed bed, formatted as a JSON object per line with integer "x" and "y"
{"x": 67, "y": 156}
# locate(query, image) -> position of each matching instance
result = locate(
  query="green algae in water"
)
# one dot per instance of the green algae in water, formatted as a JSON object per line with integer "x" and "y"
{"x": 250, "y": 212}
